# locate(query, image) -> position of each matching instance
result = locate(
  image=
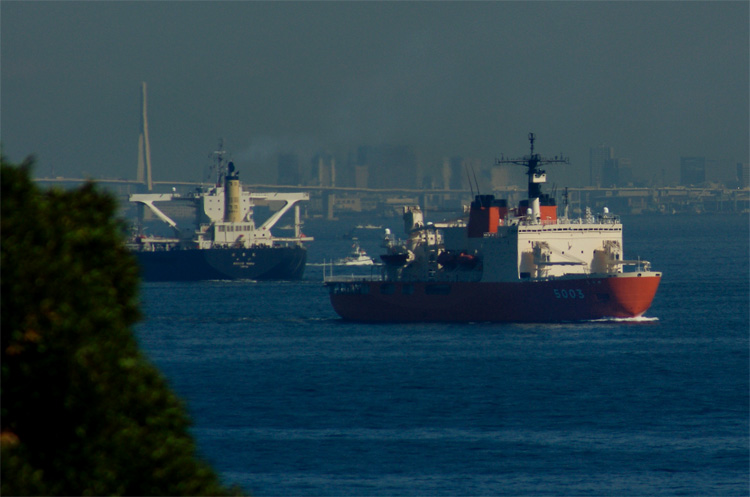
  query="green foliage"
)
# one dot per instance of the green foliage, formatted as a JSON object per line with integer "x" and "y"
{"x": 83, "y": 411}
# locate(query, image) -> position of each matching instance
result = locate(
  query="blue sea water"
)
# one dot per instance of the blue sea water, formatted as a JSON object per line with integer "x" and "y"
{"x": 289, "y": 400}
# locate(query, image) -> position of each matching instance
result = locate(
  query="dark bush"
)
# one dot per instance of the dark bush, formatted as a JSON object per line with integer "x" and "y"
{"x": 83, "y": 411}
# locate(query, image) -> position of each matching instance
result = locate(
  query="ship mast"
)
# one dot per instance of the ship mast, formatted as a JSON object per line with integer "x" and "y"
{"x": 533, "y": 163}
{"x": 219, "y": 166}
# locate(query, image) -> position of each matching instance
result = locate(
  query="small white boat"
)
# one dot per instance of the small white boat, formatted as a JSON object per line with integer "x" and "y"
{"x": 357, "y": 257}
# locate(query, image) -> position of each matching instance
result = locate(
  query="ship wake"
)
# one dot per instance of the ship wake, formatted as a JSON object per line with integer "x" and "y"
{"x": 640, "y": 319}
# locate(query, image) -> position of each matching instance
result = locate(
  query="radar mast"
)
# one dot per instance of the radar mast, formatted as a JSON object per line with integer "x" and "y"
{"x": 533, "y": 163}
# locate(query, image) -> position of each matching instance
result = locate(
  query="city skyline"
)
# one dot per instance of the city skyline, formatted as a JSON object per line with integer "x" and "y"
{"x": 655, "y": 81}
{"x": 451, "y": 173}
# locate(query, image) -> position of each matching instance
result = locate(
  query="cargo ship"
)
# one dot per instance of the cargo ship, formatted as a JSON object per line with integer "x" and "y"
{"x": 224, "y": 242}
{"x": 506, "y": 264}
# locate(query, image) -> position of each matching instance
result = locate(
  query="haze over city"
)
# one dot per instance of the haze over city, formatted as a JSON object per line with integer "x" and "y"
{"x": 655, "y": 81}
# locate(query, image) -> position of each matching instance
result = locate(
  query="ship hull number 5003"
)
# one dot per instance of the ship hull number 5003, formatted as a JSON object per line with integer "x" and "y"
{"x": 573, "y": 293}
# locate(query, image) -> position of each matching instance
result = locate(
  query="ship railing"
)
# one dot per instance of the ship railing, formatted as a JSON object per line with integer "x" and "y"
{"x": 351, "y": 278}
{"x": 599, "y": 219}
{"x": 375, "y": 273}
{"x": 637, "y": 265}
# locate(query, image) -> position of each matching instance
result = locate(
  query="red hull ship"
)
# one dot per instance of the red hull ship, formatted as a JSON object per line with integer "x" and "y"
{"x": 521, "y": 264}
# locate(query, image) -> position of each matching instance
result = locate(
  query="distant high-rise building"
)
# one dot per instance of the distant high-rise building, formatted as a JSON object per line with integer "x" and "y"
{"x": 389, "y": 166}
{"x": 361, "y": 176}
{"x": 626, "y": 172}
{"x": 692, "y": 171}
{"x": 609, "y": 173}
{"x": 500, "y": 177}
{"x": 598, "y": 156}
{"x": 324, "y": 170}
{"x": 288, "y": 171}
{"x": 445, "y": 173}
{"x": 458, "y": 174}
{"x": 617, "y": 172}
{"x": 743, "y": 175}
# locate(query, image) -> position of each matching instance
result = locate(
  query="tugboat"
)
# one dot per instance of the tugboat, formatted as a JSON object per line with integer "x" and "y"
{"x": 507, "y": 264}
{"x": 224, "y": 243}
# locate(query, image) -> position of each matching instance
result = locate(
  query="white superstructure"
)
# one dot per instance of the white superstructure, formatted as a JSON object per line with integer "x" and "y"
{"x": 224, "y": 215}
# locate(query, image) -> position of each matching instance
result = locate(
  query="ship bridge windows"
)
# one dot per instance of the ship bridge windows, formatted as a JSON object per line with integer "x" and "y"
{"x": 574, "y": 229}
{"x": 222, "y": 228}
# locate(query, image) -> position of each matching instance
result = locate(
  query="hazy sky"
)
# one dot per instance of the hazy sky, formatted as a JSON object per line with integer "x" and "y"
{"x": 654, "y": 80}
